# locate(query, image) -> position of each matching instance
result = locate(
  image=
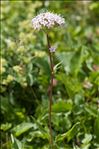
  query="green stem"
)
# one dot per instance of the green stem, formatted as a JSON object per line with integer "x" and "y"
{"x": 50, "y": 92}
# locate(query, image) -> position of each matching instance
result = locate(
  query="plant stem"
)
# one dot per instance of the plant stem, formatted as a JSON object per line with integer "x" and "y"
{"x": 50, "y": 92}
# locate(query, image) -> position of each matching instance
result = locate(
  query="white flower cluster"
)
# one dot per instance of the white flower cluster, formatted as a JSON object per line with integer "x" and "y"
{"x": 48, "y": 20}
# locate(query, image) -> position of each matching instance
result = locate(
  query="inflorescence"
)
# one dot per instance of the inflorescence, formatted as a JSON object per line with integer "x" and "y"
{"x": 47, "y": 20}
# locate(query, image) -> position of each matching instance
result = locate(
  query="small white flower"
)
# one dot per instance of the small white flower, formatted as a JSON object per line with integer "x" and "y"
{"x": 48, "y": 20}
{"x": 52, "y": 49}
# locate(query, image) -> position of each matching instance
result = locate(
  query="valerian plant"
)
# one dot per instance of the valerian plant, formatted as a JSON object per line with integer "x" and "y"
{"x": 45, "y": 22}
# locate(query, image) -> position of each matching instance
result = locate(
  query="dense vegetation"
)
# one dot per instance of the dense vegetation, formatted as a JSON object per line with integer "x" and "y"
{"x": 25, "y": 76}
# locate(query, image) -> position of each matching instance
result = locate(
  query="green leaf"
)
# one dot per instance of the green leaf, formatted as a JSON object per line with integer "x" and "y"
{"x": 72, "y": 85}
{"x": 22, "y": 128}
{"x": 96, "y": 127}
{"x": 86, "y": 140}
{"x": 6, "y": 126}
{"x": 69, "y": 134}
{"x": 43, "y": 64}
{"x": 37, "y": 134}
{"x": 62, "y": 106}
{"x": 16, "y": 144}
{"x": 65, "y": 58}
{"x": 30, "y": 78}
{"x": 57, "y": 66}
{"x": 77, "y": 60}
{"x": 91, "y": 110}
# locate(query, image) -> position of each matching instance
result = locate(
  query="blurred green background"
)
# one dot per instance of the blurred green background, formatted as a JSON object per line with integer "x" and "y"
{"x": 25, "y": 76}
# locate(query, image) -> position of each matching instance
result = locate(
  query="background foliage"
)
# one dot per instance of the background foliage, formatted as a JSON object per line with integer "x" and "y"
{"x": 25, "y": 76}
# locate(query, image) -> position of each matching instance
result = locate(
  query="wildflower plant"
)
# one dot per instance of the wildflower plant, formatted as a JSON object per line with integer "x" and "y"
{"x": 46, "y": 21}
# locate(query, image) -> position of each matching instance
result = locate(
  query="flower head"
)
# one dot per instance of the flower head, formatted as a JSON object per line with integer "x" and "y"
{"x": 47, "y": 20}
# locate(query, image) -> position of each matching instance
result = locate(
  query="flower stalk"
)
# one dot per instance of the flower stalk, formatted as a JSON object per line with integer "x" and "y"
{"x": 50, "y": 92}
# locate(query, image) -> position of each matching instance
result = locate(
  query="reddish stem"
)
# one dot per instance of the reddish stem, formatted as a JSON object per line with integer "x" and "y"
{"x": 50, "y": 91}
